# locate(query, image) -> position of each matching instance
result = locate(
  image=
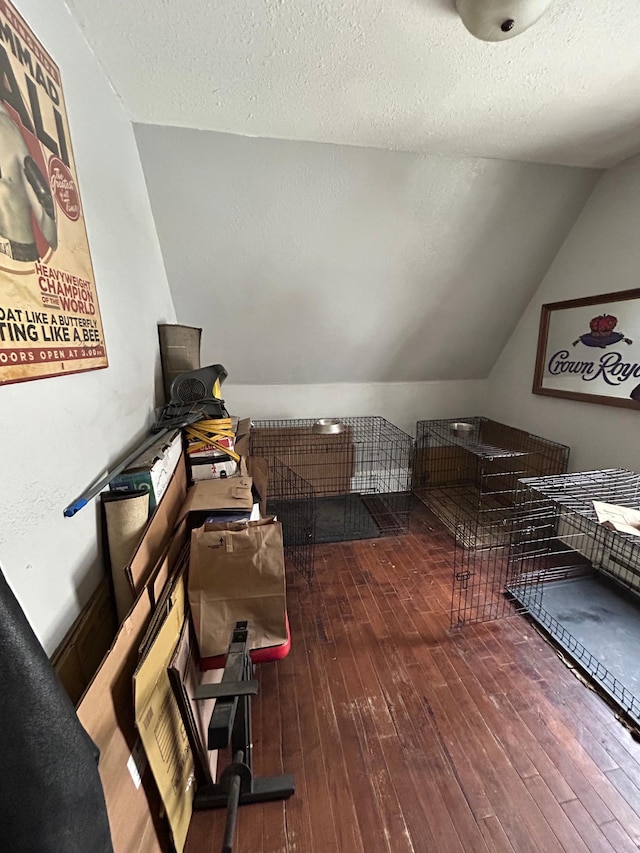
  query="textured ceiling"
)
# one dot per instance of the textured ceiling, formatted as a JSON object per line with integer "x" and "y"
{"x": 404, "y": 75}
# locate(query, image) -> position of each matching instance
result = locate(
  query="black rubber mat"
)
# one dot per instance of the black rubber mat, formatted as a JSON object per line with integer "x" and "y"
{"x": 598, "y": 624}
{"x": 343, "y": 518}
{"x": 337, "y": 519}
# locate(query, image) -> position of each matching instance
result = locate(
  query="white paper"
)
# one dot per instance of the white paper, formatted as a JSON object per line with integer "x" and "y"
{"x": 137, "y": 763}
{"x": 620, "y": 518}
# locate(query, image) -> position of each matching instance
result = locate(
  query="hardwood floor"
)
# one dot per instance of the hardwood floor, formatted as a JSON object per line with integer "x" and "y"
{"x": 405, "y": 736}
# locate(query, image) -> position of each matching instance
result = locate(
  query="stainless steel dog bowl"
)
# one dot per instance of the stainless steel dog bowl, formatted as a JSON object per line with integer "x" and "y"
{"x": 461, "y": 429}
{"x": 328, "y": 426}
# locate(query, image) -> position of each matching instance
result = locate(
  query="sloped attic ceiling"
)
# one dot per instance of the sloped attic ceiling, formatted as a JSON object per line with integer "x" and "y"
{"x": 311, "y": 263}
{"x": 402, "y": 75}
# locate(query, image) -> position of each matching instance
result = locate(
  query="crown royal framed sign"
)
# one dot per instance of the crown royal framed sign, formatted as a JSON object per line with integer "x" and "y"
{"x": 589, "y": 350}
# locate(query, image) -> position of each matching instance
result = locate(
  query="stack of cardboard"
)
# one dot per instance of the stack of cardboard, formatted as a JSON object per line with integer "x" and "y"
{"x": 81, "y": 651}
{"x": 137, "y": 707}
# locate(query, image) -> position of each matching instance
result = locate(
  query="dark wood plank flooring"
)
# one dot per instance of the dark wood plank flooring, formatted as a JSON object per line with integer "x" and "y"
{"x": 405, "y": 736}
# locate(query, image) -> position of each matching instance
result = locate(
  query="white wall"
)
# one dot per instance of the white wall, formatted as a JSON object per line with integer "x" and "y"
{"x": 402, "y": 403}
{"x": 600, "y": 255}
{"x": 59, "y": 434}
{"x": 308, "y": 263}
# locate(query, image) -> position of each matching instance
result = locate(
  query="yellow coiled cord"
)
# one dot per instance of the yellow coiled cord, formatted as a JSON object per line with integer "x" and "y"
{"x": 208, "y": 434}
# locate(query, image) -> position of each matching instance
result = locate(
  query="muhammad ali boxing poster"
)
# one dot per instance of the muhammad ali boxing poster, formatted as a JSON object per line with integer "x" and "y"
{"x": 589, "y": 350}
{"x": 49, "y": 316}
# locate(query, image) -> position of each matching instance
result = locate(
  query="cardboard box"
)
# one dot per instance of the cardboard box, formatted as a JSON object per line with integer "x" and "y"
{"x": 158, "y": 531}
{"x": 77, "y": 658}
{"x": 159, "y": 719}
{"x": 152, "y": 471}
{"x": 243, "y": 433}
{"x": 106, "y": 712}
{"x": 258, "y": 470}
{"x": 212, "y": 468}
{"x": 217, "y": 450}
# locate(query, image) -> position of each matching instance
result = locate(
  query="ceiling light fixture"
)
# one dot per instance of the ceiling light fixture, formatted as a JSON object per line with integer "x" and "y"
{"x": 498, "y": 20}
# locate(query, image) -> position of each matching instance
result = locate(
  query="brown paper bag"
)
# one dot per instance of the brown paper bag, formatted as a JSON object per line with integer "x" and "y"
{"x": 236, "y": 572}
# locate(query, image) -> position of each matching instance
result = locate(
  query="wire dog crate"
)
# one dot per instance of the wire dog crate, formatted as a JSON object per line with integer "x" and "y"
{"x": 466, "y": 472}
{"x": 579, "y": 579}
{"x": 359, "y": 476}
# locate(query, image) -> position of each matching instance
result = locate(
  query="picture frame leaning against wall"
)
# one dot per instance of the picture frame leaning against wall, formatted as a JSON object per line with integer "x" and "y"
{"x": 589, "y": 350}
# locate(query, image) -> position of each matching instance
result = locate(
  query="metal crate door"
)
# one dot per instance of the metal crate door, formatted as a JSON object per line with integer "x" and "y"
{"x": 292, "y": 500}
{"x": 502, "y": 557}
{"x": 481, "y": 566}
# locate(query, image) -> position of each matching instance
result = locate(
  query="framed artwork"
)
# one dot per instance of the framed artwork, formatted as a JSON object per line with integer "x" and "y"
{"x": 589, "y": 350}
{"x": 49, "y": 314}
